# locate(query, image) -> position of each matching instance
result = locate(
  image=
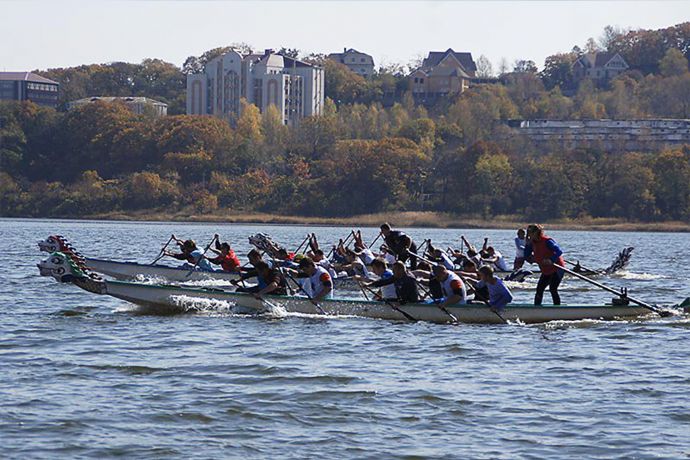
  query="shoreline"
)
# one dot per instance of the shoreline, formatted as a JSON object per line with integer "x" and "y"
{"x": 426, "y": 219}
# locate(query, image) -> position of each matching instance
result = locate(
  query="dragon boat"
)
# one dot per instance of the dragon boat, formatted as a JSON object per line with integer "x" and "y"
{"x": 171, "y": 299}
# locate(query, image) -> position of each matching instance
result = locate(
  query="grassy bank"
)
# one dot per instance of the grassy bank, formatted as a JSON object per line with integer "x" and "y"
{"x": 401, "y": 219}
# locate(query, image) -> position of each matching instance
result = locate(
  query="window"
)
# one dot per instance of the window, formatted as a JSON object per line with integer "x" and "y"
{"x": 421, "y": 80}
{"x": 361, "y": 59}
{"x": 416, "y": 80}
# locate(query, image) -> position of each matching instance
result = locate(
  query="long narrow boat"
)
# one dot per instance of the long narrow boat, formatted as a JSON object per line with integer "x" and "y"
{"x": 173, "y": 298}
{"x": 132, "y": 270}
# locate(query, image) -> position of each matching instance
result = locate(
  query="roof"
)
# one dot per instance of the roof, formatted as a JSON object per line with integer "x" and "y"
{"x": 26, "y": 76}
{"x": 465, "y": 59}
{"x": 136, "y": 99}
{"x": 596, "y": 59}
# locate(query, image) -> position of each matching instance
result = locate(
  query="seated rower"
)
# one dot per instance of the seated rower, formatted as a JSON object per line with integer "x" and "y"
{"x": 452, "y": 287}
{"x": 192, "y": 256}
{"x": 271, "y": 279}
{"x": 226, "y": 257}
{"x": 496, "y": 258}
{"x": 406, "y": 290}
{"x": 499, "y": 294}
{"x": 387, "y": 255}
{"x": 380, "y": 269}
{"x": 318, "y": 279}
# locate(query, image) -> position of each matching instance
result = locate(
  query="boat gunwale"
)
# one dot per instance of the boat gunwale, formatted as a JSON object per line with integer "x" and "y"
{"x": 211, "y": 290}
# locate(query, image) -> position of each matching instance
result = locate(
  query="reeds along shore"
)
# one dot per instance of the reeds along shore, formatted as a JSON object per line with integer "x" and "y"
{"x": 426, "y": 219}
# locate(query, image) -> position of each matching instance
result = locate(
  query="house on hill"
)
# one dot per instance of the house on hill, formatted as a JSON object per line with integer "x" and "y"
{"x": 600, "y": 67}
{"x": 358, "y": 62}
{"x": 442, "y": 73}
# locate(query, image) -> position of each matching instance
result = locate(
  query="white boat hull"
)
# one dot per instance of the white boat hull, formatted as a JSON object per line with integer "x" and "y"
{"x": 172, "y": 298}
{"x": 132, "y": 270}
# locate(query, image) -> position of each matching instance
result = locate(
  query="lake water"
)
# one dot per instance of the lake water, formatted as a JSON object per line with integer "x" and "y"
{"x": 85, "y": 376}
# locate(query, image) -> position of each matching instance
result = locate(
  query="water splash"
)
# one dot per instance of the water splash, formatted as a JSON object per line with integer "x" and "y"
{"x": 626, "y": 275}
{"x": 200, "y": 305}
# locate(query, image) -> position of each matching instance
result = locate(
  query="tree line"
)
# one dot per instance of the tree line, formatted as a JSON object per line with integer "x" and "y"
{"x": 101, "y": 158}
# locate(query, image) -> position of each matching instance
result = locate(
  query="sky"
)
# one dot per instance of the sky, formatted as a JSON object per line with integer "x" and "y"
{"x": 46, "y": 34}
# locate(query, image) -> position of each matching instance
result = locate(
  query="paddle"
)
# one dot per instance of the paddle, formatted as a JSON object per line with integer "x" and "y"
{"x": 318, "y": 307}
{"x": 162, "y": 253}
{"x": 300, "y": 246}
{"x": 390, "y": 304}
{"x": 589, "y": 270}
{"x": 622, "y": 295}
{"x": 215, "y": 237}
{"x": 375, "y": 240}
{"x": 344, "y": 243}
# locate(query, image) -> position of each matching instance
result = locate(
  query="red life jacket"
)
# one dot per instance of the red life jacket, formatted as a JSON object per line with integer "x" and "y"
{"x": 230, "y": 262}
{"x": 541, "y": 252}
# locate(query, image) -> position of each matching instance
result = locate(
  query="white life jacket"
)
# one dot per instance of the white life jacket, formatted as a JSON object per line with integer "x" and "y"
{"x": 448, "y": 289}
{"x": 388, "y": 291}
{"x": 316, "y": 282}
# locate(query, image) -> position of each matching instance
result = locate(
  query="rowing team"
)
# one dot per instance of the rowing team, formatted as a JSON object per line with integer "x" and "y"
{"x": 313, "y": 273}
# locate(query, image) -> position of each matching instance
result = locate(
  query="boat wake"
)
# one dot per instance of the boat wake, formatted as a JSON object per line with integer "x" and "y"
{"x": 626, "y": 275}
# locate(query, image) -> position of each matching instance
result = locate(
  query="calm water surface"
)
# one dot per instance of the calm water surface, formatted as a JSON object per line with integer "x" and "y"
{"x": 85, "y": 376}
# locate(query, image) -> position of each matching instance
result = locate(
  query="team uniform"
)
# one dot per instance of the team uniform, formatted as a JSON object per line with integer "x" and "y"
{"x": 551, "y": 276}
{"x": 228, "y": 263}
{"x": 453, "y": 285}
{"x": 406, "y": 290}
{"x": 499, "y": 294}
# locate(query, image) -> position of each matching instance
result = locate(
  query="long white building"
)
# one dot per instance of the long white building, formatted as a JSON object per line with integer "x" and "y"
{"x": 295, "y": 87}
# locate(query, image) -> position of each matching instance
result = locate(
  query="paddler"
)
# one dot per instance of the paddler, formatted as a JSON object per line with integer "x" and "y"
{"x": 385, "y": 275}
{"x": 192, "y": 255}
{"x": 319, "y": 279}
{"x": 406, "y": 290}
{"x": 271, "y": 279}
{"x": 400, "y": 244}
{"x": 226, "y": 257}
{"x": 499, "y": 294}
{"x": 544, "y": 251}
{"x": 452, "y": 287}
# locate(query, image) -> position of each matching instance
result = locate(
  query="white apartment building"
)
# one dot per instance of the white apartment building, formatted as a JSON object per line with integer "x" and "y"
{"x": 295, "y": 87}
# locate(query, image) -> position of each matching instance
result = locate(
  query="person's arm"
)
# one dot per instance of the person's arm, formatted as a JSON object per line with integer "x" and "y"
{"x": 382, "y": 282}
{"x": 179, "y": 256}
{"x": 528, "y": 253}
{"x": 456, "y": 297}
{"x": 486, "y": 244}
{"x": 217, "y": 238}
{"x": 327, "y": 287}
{"x": 557, "y": 252}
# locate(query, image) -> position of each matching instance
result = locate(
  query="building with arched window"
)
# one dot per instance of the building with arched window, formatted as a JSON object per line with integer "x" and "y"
{"x": 294, "y": 87}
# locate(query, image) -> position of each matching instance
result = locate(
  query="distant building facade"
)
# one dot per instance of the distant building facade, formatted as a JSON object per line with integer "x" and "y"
{"x": 27, "y": 86}
{"x": 294, "y": 87}
{"x": 610, "y": 135}
{"x": 600, "y": 67}
{"x": 442, "y": 73}
{"x": 138, "y": 105}
{"x": 358, "y": 62}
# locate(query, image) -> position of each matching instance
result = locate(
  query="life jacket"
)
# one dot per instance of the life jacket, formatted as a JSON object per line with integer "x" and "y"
{"x": 318, "y": 280}
{"x": 540, "y": 252}
{"x": 230, "y": 262}
{"x": 388, "y": 291}
{"x": 452, "y": 283}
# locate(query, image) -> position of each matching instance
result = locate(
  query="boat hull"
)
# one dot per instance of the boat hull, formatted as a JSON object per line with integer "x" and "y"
{"x": 173, "y": 298}
{"x": 132, "y": 270}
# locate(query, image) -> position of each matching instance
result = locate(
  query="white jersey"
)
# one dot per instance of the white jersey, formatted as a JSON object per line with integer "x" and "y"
{"x": 317, "y": 281}
{"x": 389, "y": 258}
{"x": 519, "y": 248}
{"x": 501, "y": 262}
{"x": 367, "y": 256}
{"x": 329, "y": 268}
{"x": 450, "y": 284}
